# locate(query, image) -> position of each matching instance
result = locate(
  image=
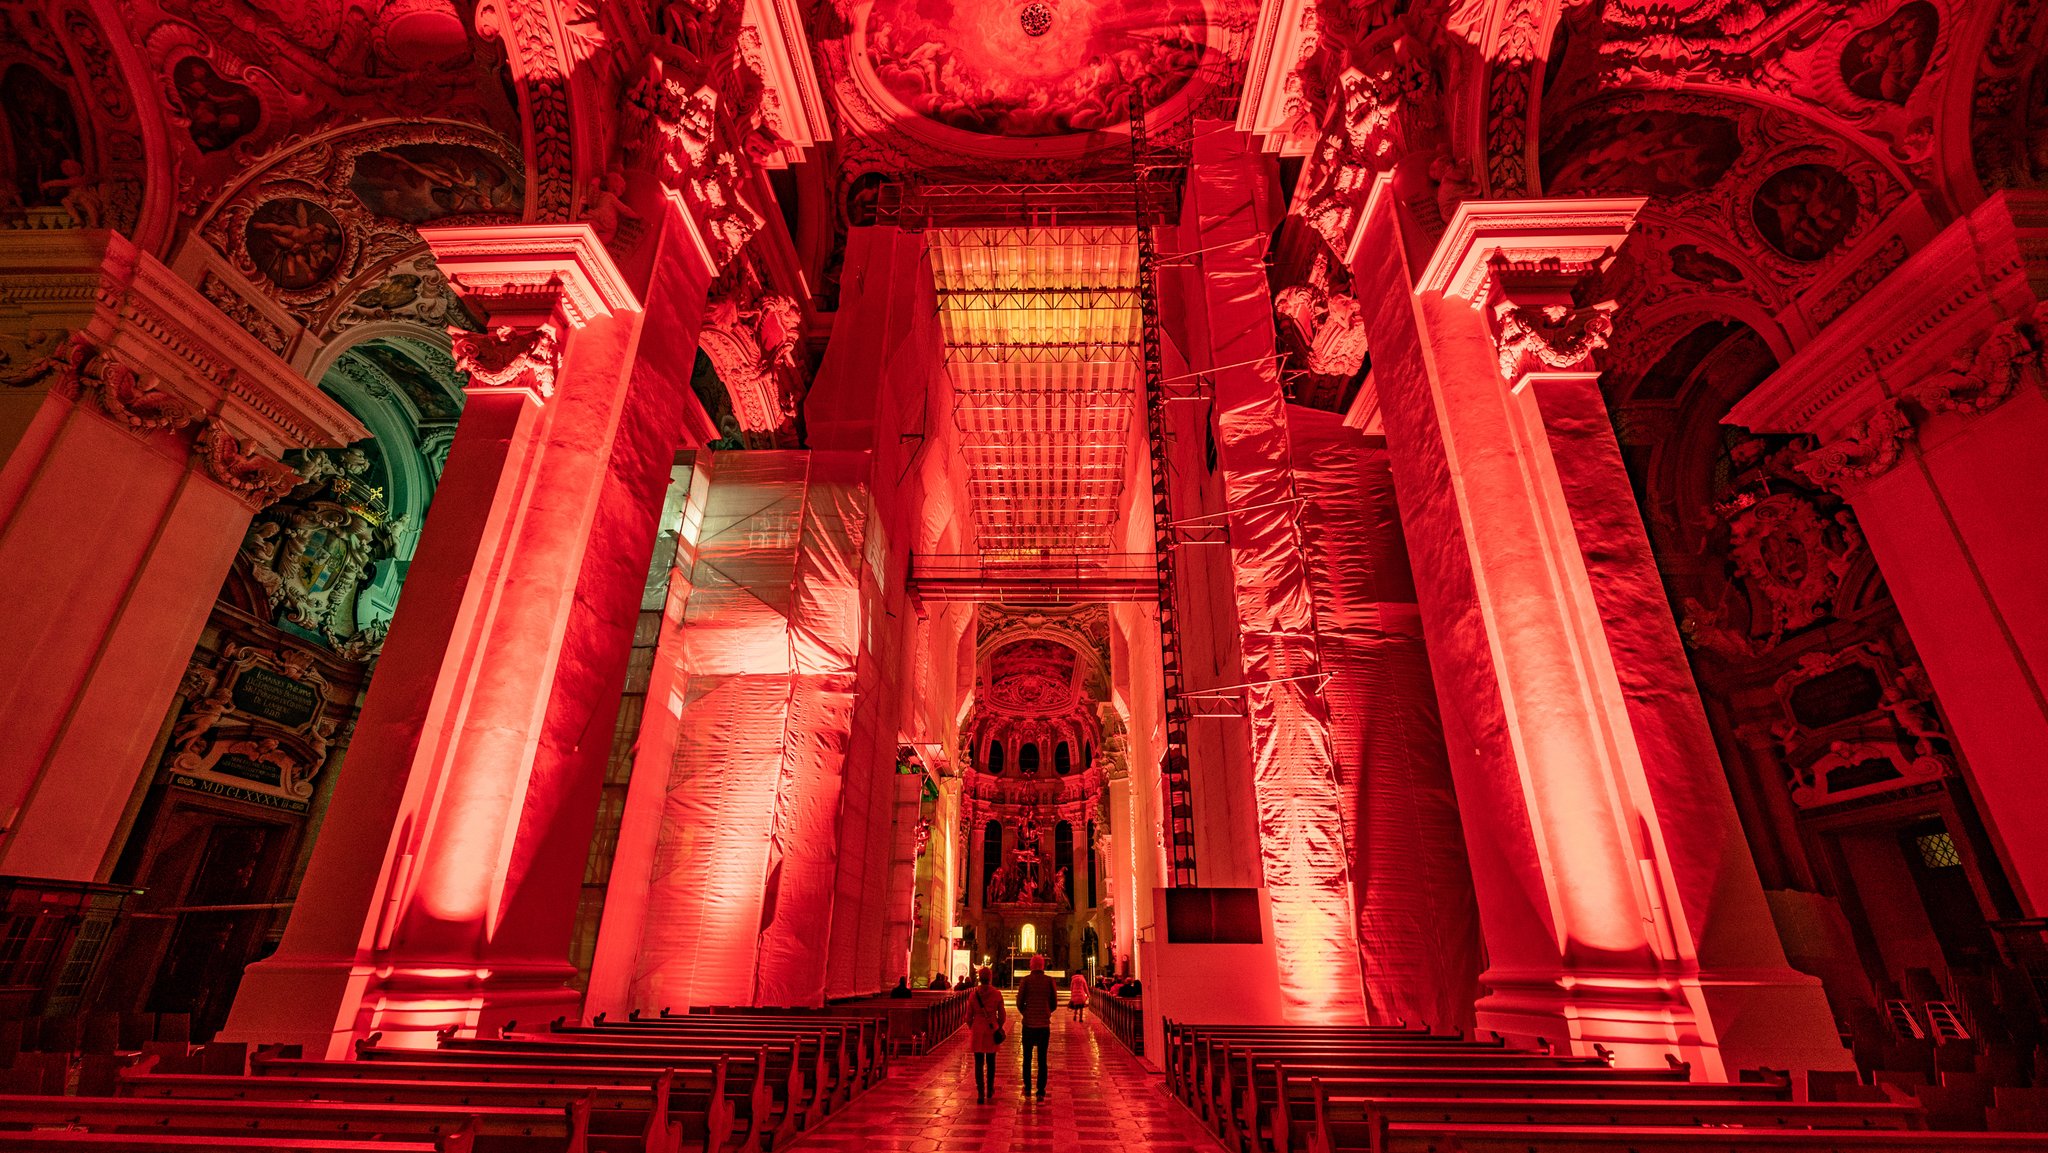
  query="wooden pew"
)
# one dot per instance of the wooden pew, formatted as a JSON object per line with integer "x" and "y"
{"x": 817, "y": 1085}
{"x": 1187, "y": 1046}
{"x": 1219, "y": 1083}
{"x": 501, "y": 1129}
{"x": 1437, "y": 1138}
{"x": 744, "y": 1115}
{"x": 1343, "y": 1120}
{"x": 853, "y": 1046}
{"x": 1285, "y": 1118}
{"x": 79, "y": 1141}
{"x": 767, "y": 1079}
{"x": 622, "y": 1117}
{"x": 875, "y": 1028}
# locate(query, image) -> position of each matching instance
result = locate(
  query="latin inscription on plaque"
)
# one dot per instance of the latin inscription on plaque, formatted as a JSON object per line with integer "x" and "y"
{"x": 260, "y": 692}
{"x": 248, "y": 769}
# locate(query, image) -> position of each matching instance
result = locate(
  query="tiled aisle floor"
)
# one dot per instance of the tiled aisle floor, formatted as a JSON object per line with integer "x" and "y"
{"x": 1098, "y": 1100}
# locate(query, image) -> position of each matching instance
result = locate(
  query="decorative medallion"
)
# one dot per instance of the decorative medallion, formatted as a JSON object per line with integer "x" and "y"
{"x": 294, "y": 243}
{"x": 1805, "y": 211}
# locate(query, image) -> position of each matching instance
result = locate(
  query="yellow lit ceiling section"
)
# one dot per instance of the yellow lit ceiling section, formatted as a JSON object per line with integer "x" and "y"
{"x": 1042, "y": 342}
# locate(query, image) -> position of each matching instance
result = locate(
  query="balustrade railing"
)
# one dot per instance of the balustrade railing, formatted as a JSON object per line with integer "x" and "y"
{"x": 1123, "y": 1017}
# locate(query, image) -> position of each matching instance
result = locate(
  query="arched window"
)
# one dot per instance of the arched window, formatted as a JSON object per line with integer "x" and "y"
{"x": 1062, "y": 759}
{"x": 991, "y": 854}
{"x": 1087, "y": 753}
{"x": 1094, "y": 864}
{"x": 995, "y": 756}
{"x": 1063, "y": 856}
{"x": 1027, "y": 758}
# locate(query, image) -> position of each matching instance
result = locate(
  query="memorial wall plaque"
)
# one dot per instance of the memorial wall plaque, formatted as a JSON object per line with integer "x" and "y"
{"x": 259, "y": 692}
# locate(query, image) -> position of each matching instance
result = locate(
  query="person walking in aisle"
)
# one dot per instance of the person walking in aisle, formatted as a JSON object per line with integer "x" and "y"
{"x": 985, "y": 1032}
{"x": 1077, "y": 993}
{"x": 1037, "y": 999}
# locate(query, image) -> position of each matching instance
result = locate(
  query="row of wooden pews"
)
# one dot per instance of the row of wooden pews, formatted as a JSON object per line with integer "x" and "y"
{"x": 699, "y": 1083}
{"x": 1380, "y": 1089}
{"x": 916, "y": 1023}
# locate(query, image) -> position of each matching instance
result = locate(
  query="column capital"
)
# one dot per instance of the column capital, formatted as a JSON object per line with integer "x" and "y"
{"x": 1492, "y": 246}
{"x": 96, "y": 317}
{"x": 535, "y": 283}
{"x": 1954, "y": 329}
{"x": 521, "y": 274}
{"x": 1522, "y": 262}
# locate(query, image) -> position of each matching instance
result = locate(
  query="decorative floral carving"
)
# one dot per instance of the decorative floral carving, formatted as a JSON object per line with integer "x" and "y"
{"x": 120, "y": 391}
{"x": 1553, "y": 336}
{"x": 1983, "y": 376}
{"x": 27, "y": 359}
{"x": 510, "y": 357}
{"x": 313, "y": 553}
{"x": 694, "y": 118}
{"x": 243, "y": 313}
{"x": 1869, "y": 449}
{"x": 240, "y": 469}
{"x": 1378, "y": 89}
{"x": 527, "y": 28}
{"x": 1976, "y": 380}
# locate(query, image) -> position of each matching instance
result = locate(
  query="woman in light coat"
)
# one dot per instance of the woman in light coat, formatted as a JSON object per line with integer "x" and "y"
{"x": 985, "y": 1014}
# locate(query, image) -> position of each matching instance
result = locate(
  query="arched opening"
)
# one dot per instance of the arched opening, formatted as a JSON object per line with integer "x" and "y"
{"x": 995, "y": 756}
{"x": 1027, "y": 758}
{"x": 991, "y": 853}
{"x": 1094, "y": 866}
{"x": 1062, "y": 759}
{"x": 1063, "y": 861}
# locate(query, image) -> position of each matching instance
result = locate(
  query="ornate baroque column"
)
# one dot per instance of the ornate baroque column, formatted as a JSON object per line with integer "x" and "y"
{"x": 1927, "y": 402}
{"x": 443, "y": 887}
{"x": 1618, "y": 900}
{"x": 140, "y": 432}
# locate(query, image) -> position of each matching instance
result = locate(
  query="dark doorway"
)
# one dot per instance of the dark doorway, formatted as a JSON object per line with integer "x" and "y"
{"x": 1952, "y": 909}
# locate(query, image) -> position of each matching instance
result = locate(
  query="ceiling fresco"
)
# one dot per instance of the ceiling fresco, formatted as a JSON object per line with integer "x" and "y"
{"x": 1039, "y": 68}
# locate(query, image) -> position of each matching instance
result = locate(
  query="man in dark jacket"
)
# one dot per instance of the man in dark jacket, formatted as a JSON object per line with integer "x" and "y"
{"x": 1037, "y": 999}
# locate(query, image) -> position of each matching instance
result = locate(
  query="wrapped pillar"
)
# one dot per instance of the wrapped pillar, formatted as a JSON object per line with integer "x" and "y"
{"x": 1618, "y": 900}
{"x": 141, "y": 431}
{"x": 443, "y": 889}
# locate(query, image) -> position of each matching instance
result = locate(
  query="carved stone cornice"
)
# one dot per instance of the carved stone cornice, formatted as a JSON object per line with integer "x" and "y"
{"x": 177, "y": 355}
{"x": 532, "y": 266}
{"x": 537, "y": 283}
{"x": 1975, "y": 381}
{"x": 1903, "y": 339}
{"x": 1489, "y": 239}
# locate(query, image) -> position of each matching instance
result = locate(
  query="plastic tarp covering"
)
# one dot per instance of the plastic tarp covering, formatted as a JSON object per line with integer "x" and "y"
{"x": 883, "y": 385}
{"x": 1300, "y": 814}
{"x": 740, "y": 881}
{"x": 1418, "y": 926}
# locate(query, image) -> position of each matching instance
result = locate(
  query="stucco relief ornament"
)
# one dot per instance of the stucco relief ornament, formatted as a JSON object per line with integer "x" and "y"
{"x": 1553, "y": 336}
{"x": 27, "y": 359}
{"x": 1869, "y": 449}
{"x": 1781, "y": 549}
{"x": 249, "y": 474}
{"x": 120, "y": 391}
{"x": 1983, "y": 377}
{"x": 510, "y": 357}
{"x": 1331, "y": 329}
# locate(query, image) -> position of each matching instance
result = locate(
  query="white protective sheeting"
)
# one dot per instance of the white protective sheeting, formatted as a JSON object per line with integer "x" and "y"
{"x": 741, "y": 885}
{"x": 1303, "y": 843}
{"x": 1418, "y": 925}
